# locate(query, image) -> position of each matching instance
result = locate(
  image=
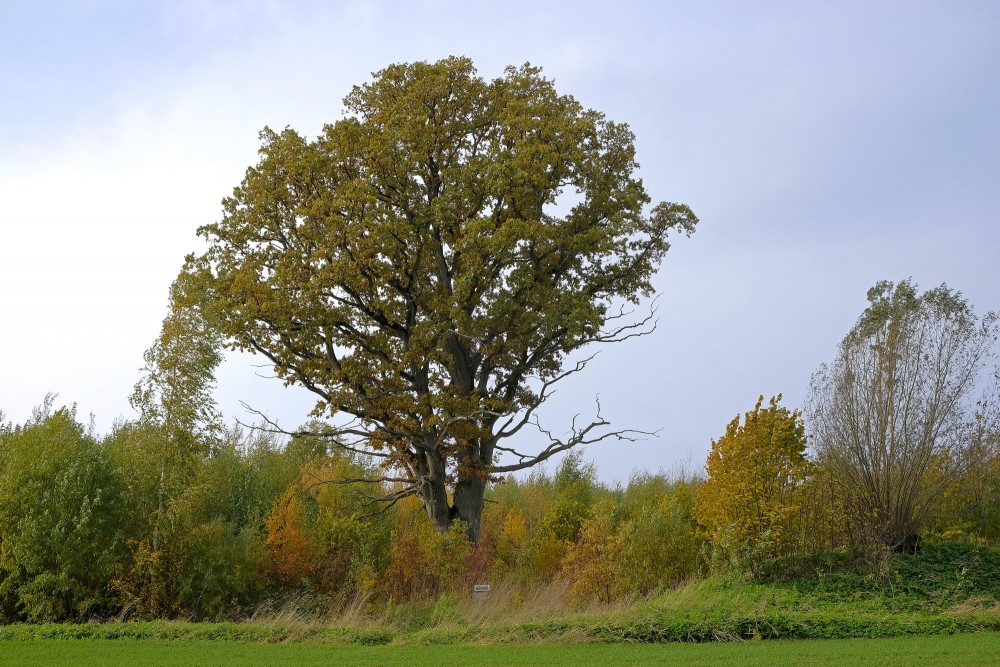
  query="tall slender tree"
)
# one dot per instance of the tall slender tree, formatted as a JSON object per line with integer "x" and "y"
{"x": 174, "y": 397}
{"x": 176, "y": 387}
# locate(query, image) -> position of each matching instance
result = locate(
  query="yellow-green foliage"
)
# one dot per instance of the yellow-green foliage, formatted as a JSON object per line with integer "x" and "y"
{"x": 754, "y": 472}
{"x": 240, "y": 522}
{"x": 351, "y": 534}
{"x": 424, "y": 563}
{"x": 196, "y": 541}
{"x": 573, "y": 491}
{"x": 512, "y": 518}
{"x": 660, "y": 546}
{"x": 821, "y": 520}
{"x": 590, "y": 563}
{"x": 636, "y": 541}
{"x": 969, "y": 509}
{"x": 62, "y": 525}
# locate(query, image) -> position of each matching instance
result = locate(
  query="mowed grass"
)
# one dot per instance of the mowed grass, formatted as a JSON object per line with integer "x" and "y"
{"x": 971, "y": 649}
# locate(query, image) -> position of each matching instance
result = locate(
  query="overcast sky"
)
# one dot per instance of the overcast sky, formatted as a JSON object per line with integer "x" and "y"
{"x": 825, "y": 146}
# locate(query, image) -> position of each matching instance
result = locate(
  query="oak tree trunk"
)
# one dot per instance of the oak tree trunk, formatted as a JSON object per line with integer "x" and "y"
{"x": 466, "y": 502}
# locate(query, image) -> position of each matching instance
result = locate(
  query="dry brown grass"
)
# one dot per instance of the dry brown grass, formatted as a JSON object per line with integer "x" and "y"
{"x": 508, "y": 602}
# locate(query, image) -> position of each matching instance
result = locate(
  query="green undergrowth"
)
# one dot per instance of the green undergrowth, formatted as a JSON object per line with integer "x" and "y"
{"x": 945, "y": 589}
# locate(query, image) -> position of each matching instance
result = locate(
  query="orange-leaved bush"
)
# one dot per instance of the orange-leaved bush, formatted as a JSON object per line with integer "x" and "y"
{"x": 292, "y": 554}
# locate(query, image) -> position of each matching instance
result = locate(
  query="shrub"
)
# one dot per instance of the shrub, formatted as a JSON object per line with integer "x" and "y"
{"x": 61, "y": 520}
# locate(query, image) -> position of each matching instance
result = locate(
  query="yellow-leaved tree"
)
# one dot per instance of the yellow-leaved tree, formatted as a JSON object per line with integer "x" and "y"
{"x": 754, "y": 473}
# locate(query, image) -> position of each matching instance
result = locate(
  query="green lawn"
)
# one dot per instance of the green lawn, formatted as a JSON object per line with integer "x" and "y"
{"x": 974, "y": 649}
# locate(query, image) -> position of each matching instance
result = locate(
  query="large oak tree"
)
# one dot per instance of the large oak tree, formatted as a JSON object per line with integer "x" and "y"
{"x": 427, "y": 263}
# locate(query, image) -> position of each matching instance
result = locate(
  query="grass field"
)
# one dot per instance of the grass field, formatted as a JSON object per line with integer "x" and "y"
{"x": 974, "y": 649}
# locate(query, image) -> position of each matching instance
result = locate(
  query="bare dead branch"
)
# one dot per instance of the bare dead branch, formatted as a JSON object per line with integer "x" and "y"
{"x": 544, "y": 393}
{"x": 577, "y": 438}
{"x": 334, "y": 435}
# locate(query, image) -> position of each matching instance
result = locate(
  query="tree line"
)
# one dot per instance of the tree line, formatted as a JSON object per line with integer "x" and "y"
{"x": 154, "y": 520}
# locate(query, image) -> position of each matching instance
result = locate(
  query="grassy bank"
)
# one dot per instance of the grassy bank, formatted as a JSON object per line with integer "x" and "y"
{"x": 946, "y": 589}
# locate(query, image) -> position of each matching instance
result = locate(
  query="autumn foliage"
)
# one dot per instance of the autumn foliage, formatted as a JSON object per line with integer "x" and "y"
{"x": 97, "y": 527}
{"x": 755, "y": 472}
{"x": 292, "y": 555}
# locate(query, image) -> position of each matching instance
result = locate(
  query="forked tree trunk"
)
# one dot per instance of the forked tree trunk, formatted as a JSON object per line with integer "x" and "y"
{"x": 433, "y": 492}
{"x": 466, "y": 503}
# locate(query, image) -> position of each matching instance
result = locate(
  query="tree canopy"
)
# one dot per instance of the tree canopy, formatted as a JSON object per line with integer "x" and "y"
{"x": 427, "y": 263}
